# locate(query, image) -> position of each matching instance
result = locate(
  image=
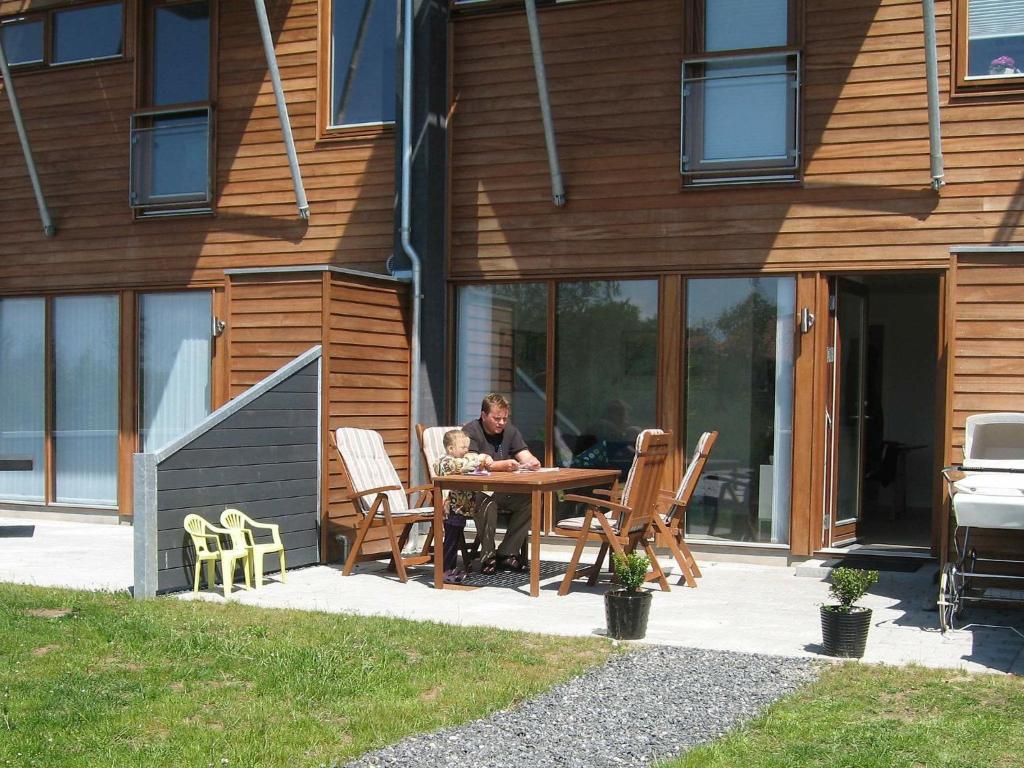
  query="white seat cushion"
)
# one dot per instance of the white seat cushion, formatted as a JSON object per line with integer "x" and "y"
{"x": 576, "y": 523}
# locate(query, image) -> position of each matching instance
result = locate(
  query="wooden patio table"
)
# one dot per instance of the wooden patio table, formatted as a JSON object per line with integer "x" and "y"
{"x": 536, "y": 483}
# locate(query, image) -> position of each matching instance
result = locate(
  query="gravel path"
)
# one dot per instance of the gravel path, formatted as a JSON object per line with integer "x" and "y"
{"x": 680, "y": 696}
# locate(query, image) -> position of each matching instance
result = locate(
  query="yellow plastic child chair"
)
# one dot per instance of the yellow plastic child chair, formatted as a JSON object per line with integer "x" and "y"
{"x": 202, "y": 534}
{"x": 237, "y": 520}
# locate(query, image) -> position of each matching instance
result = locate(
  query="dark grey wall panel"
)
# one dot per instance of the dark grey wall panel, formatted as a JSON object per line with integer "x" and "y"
{"x": 261, "y": 459}
{"x": 230, "y": 457}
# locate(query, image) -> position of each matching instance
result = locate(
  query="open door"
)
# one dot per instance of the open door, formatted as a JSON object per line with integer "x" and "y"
{"x": 846, "y": 412}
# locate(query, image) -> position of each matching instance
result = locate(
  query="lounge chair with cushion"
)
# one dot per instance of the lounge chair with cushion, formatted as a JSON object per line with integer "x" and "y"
{"x": 378, "y": 497}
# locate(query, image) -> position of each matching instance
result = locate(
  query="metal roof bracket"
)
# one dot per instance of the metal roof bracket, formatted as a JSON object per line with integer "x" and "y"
{"x": 557, "y": 186}
{"x": 44, "y": 213}
{"x": 282, "y": 109}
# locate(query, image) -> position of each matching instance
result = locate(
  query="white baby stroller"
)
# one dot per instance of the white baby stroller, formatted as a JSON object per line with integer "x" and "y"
{"x": 986, "y": 491}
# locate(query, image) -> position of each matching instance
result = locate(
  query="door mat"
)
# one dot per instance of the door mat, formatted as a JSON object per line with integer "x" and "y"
{"x": 514, "y": 579}
{"x": 17, "y": 531}
{"x": 869, "y": 563}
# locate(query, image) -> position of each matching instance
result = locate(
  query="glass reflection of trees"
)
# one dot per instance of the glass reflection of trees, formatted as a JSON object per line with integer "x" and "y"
{"x": 731, "y": 387}
{"x": 606, "y": 370}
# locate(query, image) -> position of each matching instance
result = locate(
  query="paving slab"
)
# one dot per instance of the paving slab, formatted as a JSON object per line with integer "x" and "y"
{"x": 736, "y": 607}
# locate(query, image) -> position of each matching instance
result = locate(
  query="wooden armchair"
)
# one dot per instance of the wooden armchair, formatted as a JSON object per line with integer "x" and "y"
{"x": 376, "y": 492}
{"x": 627, "y": 522}
{"x": 670, "y": 520}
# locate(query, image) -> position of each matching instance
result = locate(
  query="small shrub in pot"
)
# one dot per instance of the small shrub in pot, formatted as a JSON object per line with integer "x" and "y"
{"x": 844, "y": 625}
{"x": 627, "y": 607}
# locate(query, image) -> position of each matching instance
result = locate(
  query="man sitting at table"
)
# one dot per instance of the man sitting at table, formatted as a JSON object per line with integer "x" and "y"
{"x": 494, "y": 435}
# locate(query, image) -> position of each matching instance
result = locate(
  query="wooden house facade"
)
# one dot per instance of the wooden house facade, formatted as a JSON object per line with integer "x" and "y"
{"x": 181, "y": 271}
{"x": 754, "y": 238}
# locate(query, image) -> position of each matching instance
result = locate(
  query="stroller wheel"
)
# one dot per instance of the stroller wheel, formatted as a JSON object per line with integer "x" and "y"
{"x": 950, "y": 592}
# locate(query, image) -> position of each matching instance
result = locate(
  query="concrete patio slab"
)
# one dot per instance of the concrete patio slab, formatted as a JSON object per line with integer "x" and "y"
{"x": 737, "y": 606}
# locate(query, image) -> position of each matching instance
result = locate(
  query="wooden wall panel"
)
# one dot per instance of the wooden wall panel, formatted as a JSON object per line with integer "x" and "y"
{"x": 272, "y": 319}
{"x": 613, "y": 69}
{"x": 78, "y": 120}
{"x": 988, "y": 338}
{"x": 368, "y": 368}
{"x": 987, "y": 324}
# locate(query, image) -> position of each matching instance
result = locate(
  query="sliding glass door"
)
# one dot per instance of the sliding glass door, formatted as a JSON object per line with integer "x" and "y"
{"x": 175, "y": 347}
{"x": 739, "y": 381}
{"x": 85, "y": 351}
{"x": 23, "y": 396}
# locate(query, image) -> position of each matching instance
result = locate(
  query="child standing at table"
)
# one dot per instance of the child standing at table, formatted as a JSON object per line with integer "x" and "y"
{"x": 463, "y": 504}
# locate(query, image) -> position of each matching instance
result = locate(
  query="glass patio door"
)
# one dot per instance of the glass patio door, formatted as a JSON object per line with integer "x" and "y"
{"x": 739, "y": 351}
{"x": 847, "y": 403}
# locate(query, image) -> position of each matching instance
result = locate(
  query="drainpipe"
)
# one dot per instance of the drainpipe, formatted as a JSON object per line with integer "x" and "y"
{"x": 406, "y": 228}
{"x": 282, "y": 110}
{"x": 931, "y": 63}
{"x": 557, "y": 187}
{"x": 44, "y": 213}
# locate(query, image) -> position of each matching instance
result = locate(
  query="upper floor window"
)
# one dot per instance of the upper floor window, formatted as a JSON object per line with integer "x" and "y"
{"x": 172, "y": 153}
{"x": 990, "y": 43}
{"x": 360, "y": 71}
{"x": 740, "y": 93}
{"x": 72, "y": 35}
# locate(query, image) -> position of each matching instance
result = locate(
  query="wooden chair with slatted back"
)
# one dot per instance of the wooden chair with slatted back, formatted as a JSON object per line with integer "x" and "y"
{"x": 380, "y": 501}
{"x": 626, "y": 523}
{"x": 670, "y": 520}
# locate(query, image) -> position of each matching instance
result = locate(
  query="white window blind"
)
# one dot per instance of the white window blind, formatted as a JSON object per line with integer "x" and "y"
{"x": 995, "y": 18}
{"x": 734, "y": 25}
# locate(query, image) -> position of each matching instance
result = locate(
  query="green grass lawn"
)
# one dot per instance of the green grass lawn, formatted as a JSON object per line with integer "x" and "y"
{"x": 860, "y": 716}
{"x": 93, "y": 679}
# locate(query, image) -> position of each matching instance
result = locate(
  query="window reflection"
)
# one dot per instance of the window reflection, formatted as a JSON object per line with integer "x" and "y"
{"x": 502, "y": 348}
{"x": 82, "y": 34}
{"x": 739, "y": 381}
{"x": 23, "y": 41}
{"x": 363, "y": 61}
{"x": 606, "y": 370}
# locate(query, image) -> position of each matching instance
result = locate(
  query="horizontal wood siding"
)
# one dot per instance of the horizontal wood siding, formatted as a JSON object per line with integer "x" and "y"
{"x": 271, "y": 320}
{"x": 368, "y": 363}
{"x": 614, "y": 76}
{"x": 987, "y": 355}
{"x": 988, "y": 338}
{"x": 78, "y": 120}
{"x": 262, "y": 460}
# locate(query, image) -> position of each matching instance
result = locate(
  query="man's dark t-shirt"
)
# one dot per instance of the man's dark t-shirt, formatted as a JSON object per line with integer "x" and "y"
{"x": 499, "y": 447}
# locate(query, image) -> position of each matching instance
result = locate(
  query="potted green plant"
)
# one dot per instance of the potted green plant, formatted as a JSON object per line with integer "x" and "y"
{"x": 627, "y": 608}
{"x": 844, "y": 625}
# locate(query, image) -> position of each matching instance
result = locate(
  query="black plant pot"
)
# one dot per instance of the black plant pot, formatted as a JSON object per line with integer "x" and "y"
{"x": 626, "y": 613}
{"x": 845, "y": 634}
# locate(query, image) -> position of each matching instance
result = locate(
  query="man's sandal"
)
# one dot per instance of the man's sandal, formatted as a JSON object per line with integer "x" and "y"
{"x": 511, "y": 563}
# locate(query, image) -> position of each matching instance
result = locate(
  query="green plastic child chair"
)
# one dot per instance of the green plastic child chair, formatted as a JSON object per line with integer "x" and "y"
{"x": 202, "y": 534}
{"x": 237, "y": 520}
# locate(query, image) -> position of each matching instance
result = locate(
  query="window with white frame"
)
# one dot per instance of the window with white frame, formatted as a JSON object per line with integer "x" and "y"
{"x": 990, "y": 43}
{"x": 740, "y": 93}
